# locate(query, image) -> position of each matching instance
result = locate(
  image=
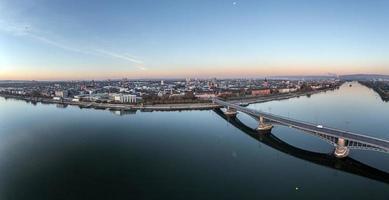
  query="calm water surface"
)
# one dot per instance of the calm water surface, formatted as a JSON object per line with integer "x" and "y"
{"x": 68, "y": 153}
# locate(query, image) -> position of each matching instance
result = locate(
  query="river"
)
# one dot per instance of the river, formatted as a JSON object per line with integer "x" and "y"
{"x": 48, "y": 152}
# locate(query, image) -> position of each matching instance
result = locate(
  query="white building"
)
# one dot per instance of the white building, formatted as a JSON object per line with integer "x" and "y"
{"x": 57, "y": 98}
{"x": 293, "y": 89}
{"x": 205, "y": 95}
{"x": 287, "y": 90}
{"x": 284, "y": 90}
{"x": 61, "y": 93}
{"x": 316, "y": 87}
{"x": 125, "y": 98}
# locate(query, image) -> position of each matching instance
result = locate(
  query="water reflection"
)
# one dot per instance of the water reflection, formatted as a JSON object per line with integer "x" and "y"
{"x": 123, "y": 112}
{"x": 347, "y": 164}
{"x": 61, "y": 105}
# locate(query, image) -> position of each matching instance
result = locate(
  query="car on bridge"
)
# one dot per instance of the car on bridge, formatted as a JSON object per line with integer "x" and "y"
{"x": 319, "y": 126}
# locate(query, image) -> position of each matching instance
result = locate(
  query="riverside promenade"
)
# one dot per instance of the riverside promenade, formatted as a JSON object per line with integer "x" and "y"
{"x": 163, "y": 107}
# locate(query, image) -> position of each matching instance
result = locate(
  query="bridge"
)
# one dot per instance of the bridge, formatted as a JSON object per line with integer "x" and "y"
{"x": 342, "y": 140}
{"x": 348, "y": 164}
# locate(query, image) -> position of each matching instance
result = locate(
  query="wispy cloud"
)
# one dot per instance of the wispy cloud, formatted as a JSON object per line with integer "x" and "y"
{"x": 120, "y": 56}
{"x": 139, "y": 63}
{"x": 57, "y": 44}
{"x": 27, "y": 31}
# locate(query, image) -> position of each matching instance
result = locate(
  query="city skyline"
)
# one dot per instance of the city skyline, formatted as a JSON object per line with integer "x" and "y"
{"x": 194, "y": 99}
{"x": 72, "y": 40}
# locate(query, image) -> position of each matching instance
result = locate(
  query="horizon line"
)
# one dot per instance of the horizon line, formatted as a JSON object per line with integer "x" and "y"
{"x": 191, "y": 77}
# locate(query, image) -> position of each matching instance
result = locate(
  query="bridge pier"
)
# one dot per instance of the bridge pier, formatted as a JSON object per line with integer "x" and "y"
{"x": 341, "y": 150}
{"x": 264, "y": 127}
{"x": 231, "y": 112}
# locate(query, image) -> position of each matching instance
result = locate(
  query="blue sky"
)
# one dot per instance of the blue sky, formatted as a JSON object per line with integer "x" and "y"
{"x": 49, "y": 39}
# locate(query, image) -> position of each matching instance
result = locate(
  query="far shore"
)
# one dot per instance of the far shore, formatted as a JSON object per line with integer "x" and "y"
{"x": 165, "y": 107}
{"x": 278, "y": 97}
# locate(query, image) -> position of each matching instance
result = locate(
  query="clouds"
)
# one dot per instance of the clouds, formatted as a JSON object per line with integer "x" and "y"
{"x": 26, "y": 30}
{"x": 14, "y": 28}
{"x": 116, "y": 55}
{"x": 98, "y": 36}
{"x": 123, "y": 57}
{"x": 57, "y": 44}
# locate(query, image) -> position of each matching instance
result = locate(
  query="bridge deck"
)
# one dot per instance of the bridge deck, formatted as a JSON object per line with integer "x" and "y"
{"x": 383, "y": 144}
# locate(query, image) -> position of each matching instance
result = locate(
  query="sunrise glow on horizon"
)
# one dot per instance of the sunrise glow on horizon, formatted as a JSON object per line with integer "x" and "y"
{"x": 74, "y": 40}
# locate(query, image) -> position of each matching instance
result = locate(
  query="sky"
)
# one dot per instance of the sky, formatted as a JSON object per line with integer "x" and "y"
{"x": 81, "y": 39}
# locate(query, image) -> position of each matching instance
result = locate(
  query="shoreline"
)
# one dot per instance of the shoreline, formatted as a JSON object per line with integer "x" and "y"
{"x": 279, "y": 97}
{"x": 163, "y": 107}
{"x": 384, "y": 95}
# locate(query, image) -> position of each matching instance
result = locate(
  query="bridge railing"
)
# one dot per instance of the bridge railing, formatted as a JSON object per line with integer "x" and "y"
{"x": 331, "y": 128}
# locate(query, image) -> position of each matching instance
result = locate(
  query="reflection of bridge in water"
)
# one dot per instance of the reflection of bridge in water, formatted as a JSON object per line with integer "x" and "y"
{"x": 342, "y": 140}
{"x": 347, "y": 164}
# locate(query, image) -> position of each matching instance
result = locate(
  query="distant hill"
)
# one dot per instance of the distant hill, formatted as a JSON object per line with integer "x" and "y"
{"x": 364, "y": 77}
{"x": 15, "y": 81}
{"x": 324, "y": 77}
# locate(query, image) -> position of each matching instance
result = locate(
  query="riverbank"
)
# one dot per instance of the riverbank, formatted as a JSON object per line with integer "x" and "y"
{"x": 278, "y": 97}
{"x": 118, "y": 107}
{"x": 161, "y": 107}
{"x": 383, "y": 94}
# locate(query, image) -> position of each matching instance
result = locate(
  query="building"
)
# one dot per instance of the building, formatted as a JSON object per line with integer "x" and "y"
{"x": 316, "y": 87}
{"x": 61, "y": 93}
{"x": 125, "y": 98}
{"x": 260, "y": 92}
{"x": 293, "y": 89}
{"x": 284, "y": 90}
{"x": 57, "y": 98}
{"x": 265, "y": 83}
{"x": 205, "y": 95}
